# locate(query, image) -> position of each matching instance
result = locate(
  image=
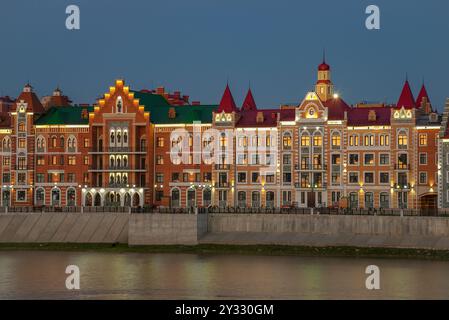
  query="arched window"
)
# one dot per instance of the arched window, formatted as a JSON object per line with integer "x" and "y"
{"x": 119, "y": 161}
{"x": 40, "y": 144}
{"x": 402, "y": 140}
{"x": 269, "y": 197}
{"x": 255, "y": 197}
{"x": 119, "y": 136}
{"x": 317, "y": 140}
{"x": 54, "y": 141}
{"x": 353, "y": 200}
{"x": 287, "y": 140}
{"x": 143, "y": 144}
{"x": 223, "y": 140}
{"x": 61, "y": 142}
{"x": 111, "y": 162}
{"x": 71, "y": 144}
{"x": 6, "y": 144}
{"x": 125, "y": 137}
{"x": 241, "y": 199}
{"x": 305, "y": 140}
{"x": 119, "y": 105}
{"x": 111, "y": 178}
{"x": 191, "y": 197}
{"x": 125, "y": 161}
{"x": 112, "y": 137}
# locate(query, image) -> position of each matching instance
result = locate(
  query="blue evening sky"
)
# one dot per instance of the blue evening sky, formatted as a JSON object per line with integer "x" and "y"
{"x": 196, "y": 45}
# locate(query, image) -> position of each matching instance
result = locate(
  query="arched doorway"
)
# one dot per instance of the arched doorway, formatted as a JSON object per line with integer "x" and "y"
{"x": 175, "y": 198}
{"x": 97, "y": 202}
{"x": 71, "y": 197}
{"x": 136, "y": 200}
{"x": 88, "y": 200}
{"x": 127, "y": 202}
{"x": 40, "y": 197}
{"x": 55, "y": 197}
{"x": 428, "y": 201}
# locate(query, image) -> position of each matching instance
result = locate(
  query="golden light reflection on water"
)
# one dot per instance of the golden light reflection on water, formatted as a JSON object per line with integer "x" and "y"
{"x": 189, "y": 276}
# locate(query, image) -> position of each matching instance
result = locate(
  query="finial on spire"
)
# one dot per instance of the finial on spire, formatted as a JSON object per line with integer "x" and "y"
{"x": 324, "y": 55}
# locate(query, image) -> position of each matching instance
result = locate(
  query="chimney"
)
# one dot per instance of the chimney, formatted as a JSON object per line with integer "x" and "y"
{"x": 196, "y": 103}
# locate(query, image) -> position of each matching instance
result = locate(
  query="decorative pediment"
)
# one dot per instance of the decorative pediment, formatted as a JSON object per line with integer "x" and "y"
{"x": 311, "y": 109}
{"x": 403, "y": 114}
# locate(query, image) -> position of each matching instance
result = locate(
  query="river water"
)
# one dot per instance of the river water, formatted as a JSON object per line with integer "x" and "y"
{"x": 41, "y": 275}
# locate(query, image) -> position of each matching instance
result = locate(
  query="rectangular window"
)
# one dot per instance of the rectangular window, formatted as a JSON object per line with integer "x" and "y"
{"x": 86, "y": 160}
{"x": 72, "y": 160}
{"x": 86, "y": 143}
{"x": 423, "y": 178}
{"x": 22, "y": 143}
{"x": 423, "y": 139}
{"x": 160, "y": 142}
{"x": 86, "y": 177}
{"x": 159, "y": 177}
{"x": 22, "y": 163}
{"x": 40, "y": 178}
{"x": 6, "y": 161}
{"x": 269, "y": 178}
{"x": 70, "y": 177}
{"x": 384, "y": 177}
{"x": 384, "y": 159}
{"x": 369, "y": 159}
{"x": 335, "y": 178}
{"x": 54, "y": 160}
{"x": 40, "y": 160}
{"x": 185, "y": 177}
{"x": 207, "y": 176}
{"x": 242, "y": 159}
{"x": 423, "y": 158}
{"x": 160, "y": 159}
{"x": 255, "y": 177}
{"x": 336, "y": 159}
{"x": 369, "y": 177}
{"x": 175, "y": 176}
{"x": 353, "y": 177}
{"x": 21, "y": 195}
{"x": 21, "y": 178}
{"x": 241, "y": 177}
{"x": 6, "y": 178}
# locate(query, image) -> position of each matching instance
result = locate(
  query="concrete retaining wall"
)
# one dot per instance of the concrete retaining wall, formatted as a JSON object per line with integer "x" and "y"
{"x": 158, "y": 229}
{"x": 328, "y": 230}
{"x": 64, "y": 227}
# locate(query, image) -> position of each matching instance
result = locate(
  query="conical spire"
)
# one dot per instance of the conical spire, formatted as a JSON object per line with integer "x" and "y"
{"x": 249, "y": 103}
{"x": 406, "y": 99}
{"x": 422, "y": 94}
{"x": 227, "y": 103}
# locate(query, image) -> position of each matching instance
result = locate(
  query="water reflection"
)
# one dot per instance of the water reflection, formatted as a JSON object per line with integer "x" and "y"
{"x": 41, "y": 275}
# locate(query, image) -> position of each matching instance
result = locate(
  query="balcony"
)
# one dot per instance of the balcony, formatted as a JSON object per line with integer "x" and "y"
{"x": 119, "y": 149}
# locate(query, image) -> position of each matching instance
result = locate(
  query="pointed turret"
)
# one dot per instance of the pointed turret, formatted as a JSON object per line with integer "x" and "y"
{"x": 423, "y": 100}
{"x": 249, "y": 103}
{"x": 227, "y": 103}
{"x": 406, "y": 99}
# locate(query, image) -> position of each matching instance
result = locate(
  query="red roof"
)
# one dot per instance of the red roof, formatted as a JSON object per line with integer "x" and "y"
{"x": 422, "y": 94}
{"x": 248, "y": 119}
{"x": 324, "y": 66}
{"x": 406, "y": 99}
{"x": 336, "y": 108}
{"x": 227, "y": 103}
{"x": 28, "y": 96}
{"x": 249, "y": 103}
{"x": 359, "y": 116}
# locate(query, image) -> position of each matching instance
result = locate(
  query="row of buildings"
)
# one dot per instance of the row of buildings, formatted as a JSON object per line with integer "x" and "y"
{"x": 318, "y": 152}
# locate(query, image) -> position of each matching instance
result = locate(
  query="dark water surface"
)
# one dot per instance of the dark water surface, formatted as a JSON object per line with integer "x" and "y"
{"x": 41, "y": 275}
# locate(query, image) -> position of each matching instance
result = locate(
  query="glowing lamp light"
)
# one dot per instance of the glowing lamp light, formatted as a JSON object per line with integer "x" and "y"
{"x": 336, "y": 96}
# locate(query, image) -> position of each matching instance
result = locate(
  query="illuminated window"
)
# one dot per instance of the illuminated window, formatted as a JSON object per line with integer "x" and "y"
{"x": 22, "y": 143}
{"x": 72, "y": 160}
{"x": 21, "y": 127}
{"x": 317, "y": 141}
{"x": 423, "y": 139}
{"x": 305, "y": 141}
{"x": 160, "y": 142}
{"x": 287, "y": 141}
{"x": 402, "y": 140}
{"x": 336, "y": 140}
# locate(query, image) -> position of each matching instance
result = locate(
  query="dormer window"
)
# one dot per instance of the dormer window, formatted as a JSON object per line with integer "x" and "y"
{"x": 372, "y": 116}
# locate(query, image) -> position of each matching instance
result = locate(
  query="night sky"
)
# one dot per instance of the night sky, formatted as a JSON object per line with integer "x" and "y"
{"x": 196, "y": 46}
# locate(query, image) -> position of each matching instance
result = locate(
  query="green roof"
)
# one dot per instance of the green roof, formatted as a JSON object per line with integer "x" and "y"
{"x": 156, "y": 104}
{"x": 63, "y": 115}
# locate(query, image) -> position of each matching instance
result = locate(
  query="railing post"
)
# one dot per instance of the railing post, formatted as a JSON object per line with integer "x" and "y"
{"x": 311, "y": 211}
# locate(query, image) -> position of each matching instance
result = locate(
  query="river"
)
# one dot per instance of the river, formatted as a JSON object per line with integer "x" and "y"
{"x": 41, "y": 275}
